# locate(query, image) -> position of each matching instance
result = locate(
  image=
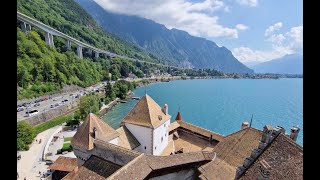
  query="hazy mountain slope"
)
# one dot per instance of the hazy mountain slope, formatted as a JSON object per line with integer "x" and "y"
{"x": 174, "y": 46}
{"x": 289, "y": 64}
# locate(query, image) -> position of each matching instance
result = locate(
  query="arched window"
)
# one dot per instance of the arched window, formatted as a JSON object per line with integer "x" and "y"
{"x": 145, "y": 147}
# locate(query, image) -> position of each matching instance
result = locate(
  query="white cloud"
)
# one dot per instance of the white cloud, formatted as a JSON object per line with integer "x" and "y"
{"x": 282, "y": 44}
{"x": 276, "y": 38}
{"x": 195, "y": 18}
{"x": 241, "y": 27}
{"x": 273, "y": 28}
{"x": 295, "y": 36}
{"x": 251, "y": 3}
{"x": 245, "y": 54}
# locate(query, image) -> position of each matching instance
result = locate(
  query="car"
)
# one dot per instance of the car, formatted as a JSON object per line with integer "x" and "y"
{"x": 65, "y": 100}
{"x": 48, "y": 162}
{"x": 32, "y": 112}
{"x": 37, "y": 104}
{"x": 20, "y": 109}
{"x": 52, "y": 106}
{"x": 18, "y": 155}
{"x": 54, "y": 99}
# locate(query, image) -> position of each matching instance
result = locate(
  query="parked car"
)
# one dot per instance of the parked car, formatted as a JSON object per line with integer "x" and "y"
{"x": 20, "y": 109}
{"x": 65, "y": 100}
{"x": 52, "y": 106}
{"x": 32, "y": 112}
{"x": 18, "y": 155}
{"x": 37, "y": 104}
{"x": 48, "y": 162}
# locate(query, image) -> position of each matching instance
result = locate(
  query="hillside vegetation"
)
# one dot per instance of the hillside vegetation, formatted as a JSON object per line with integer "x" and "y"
{"x": 69, "y": 18}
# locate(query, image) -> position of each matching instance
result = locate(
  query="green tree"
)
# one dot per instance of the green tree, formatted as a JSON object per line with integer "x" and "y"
{"x": 123, "y": 90}
{"x": 25, "y": 135}
{"x": 109, "y": 92}
{"x": 89, "y": 103}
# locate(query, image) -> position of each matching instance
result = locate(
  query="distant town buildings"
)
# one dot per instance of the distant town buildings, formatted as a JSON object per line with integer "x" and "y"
{"x": 148, "y": 146}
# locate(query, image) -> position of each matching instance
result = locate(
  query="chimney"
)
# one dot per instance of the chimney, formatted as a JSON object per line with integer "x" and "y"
{"x": 244, "y": 125}
{"x": 294, "y": 131}
{"x": 94, "y": 132}
{"x": 165, "y": 109}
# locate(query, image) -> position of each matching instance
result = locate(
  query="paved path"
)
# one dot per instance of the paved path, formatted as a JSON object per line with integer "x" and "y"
{"x": 30, "y": 163}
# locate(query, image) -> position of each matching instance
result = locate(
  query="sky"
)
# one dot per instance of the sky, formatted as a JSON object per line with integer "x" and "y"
{"x": 254, "y": 30}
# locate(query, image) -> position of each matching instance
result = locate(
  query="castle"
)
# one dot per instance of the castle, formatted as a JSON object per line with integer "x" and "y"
{"x": 149, "y": 146}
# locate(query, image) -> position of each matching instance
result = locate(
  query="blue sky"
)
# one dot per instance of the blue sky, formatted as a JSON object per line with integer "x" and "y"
{"x": 254, "y": 30}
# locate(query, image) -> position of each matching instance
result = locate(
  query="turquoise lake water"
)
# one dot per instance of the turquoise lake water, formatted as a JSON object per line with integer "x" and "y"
{"x": 221, "y": 105}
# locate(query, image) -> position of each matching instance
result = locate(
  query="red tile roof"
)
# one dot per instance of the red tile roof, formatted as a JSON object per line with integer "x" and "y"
{"x": 64, "y": 164}
{"x": 282, "y": 159}
{"x": 94, "y": 168}
{"x": 84, "y": 136}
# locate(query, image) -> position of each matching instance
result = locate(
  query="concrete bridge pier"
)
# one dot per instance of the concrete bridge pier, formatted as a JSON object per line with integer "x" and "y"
{"x": 79, "y": 51}
{"x": 49, "y": 39}
{"x": 96, "y": 55}
{"x": 28, "y": 27}
{"x": 68, "y": 44}
{"x": 23, "y": 26}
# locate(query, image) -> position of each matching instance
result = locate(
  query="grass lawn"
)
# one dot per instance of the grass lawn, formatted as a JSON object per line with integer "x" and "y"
{"x": 47, "y": 125}
{"x": 66, "y": 145}
{"x": 67, "y": 139}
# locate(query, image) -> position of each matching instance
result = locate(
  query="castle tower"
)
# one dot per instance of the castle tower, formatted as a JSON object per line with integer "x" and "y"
{"x": 92, "y": 128}
{"x": 149, "y": 123}
{"x": 178, "y": 117}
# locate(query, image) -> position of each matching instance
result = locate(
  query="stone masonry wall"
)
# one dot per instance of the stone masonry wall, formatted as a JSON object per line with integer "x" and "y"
{"x": 52, "y": 113}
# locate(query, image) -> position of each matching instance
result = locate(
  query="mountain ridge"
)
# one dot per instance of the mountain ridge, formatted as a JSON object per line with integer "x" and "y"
{"x": 288, "y": 64}
{"x": 171, "y": 46}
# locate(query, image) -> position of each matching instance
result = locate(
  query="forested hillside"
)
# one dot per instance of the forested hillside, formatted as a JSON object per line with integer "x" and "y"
{"x": 69, "y": 18}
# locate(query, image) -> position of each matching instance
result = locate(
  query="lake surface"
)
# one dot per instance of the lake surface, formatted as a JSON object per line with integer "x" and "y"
{"x": 221, "y": 105}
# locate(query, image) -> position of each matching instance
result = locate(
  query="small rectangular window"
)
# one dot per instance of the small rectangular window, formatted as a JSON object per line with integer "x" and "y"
{"x": 145, "y": 147}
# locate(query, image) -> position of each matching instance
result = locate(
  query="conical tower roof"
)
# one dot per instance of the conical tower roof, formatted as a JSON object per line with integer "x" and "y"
{"x": 84, "y": 137}
{"x": 146, "y": 113}
{"x": 178, "y": 117}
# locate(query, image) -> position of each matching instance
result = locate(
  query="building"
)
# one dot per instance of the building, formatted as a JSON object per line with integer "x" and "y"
{"x": 62, "y": 166}
{"x": 148, "y": 117}
{"x": 148, "y": 146}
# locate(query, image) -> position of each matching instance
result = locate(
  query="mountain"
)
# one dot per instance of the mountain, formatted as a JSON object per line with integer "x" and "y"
{"x": 250, "y": 64}
{"x": 288, "y": 64}
{"x": 173, "y": 46}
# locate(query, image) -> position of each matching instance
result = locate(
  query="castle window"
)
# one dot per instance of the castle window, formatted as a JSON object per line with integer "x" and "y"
{"x": 161, "y": 139}
{"x": 155, "y": 147}
{"x": 145, "y": 147}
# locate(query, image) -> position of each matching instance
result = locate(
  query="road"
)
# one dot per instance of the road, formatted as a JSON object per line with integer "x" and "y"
{"x": 30, "y": 163}
{"x": 56, "y": 101}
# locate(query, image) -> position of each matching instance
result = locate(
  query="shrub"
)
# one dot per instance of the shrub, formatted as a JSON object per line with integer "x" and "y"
{"x": 25, "y": 135}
